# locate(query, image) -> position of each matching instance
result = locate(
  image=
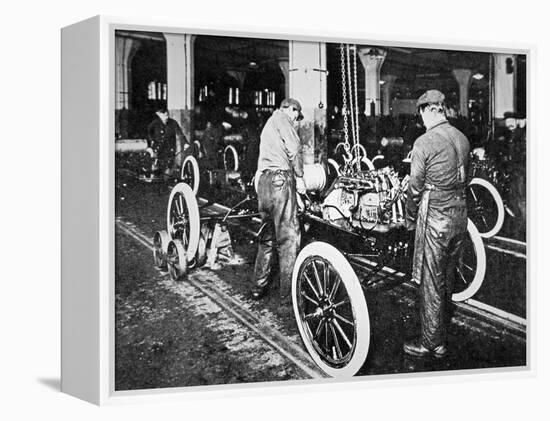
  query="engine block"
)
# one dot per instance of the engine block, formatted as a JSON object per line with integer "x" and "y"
{"x": 371, "y": 196}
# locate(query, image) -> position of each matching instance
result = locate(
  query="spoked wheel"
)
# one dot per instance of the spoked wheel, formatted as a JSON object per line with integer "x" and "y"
{"x": 183, "y": 219}
{"x": 160, "y": 248}
{"x": 485, "y": 207}
{"x": 330, "y": 310}
{"x": 176, "y": 259}
{"x": 471, "y": 266}
{"x": 230, "y": 158}
{"x": 190, "y": 173}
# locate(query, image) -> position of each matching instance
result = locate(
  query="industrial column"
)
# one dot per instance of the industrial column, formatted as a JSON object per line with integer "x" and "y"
{"x": 504, "y": 84}
{"x": 307, "y": 78}
{"x": 372, "y": 59}
{"x": 387, "y": 88}
{"x": 125, "y": 51}
{"x": 464, "y": 79}
{"x": 181, "y": 83}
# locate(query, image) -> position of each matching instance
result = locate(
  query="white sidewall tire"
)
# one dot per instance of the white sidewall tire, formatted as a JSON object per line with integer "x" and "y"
{"x": 481, "y": 265}
{"x": 190, "y": 159}
{"x": 194, "y": 216}
{"x": 231, "y": 149}
{"x": 357, "y": 299}
{"x": 498, "y": 200}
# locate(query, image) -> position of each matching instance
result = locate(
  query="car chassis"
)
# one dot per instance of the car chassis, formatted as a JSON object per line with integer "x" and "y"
{"x": 328, "y": 297}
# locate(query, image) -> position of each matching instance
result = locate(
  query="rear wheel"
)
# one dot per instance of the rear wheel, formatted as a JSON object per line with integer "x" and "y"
{"x": 470, "y": 271}
{"x": 190, "y": 173}
{"x": 485, "y": 207}
{"x": 330, "y": 310}
{"x": 230, "y": 158}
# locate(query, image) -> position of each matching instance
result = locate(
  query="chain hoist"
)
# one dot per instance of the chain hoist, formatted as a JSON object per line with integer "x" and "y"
{"x": 357, "y": 158}
{"x": 344, "y": 102}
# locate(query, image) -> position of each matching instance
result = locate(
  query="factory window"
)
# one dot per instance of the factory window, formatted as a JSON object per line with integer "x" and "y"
{"x": 156, "y": 91}
{"x": 203, "y": 93}
{"x": 233, "y": 96}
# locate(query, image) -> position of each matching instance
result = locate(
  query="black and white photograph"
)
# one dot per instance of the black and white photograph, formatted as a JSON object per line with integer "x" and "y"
{"x": 290, "y": 209}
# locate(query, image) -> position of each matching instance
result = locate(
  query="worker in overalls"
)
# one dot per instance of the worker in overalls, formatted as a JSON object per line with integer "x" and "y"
{"x": 436, "y": 208}
{"x": 280, "y": 172}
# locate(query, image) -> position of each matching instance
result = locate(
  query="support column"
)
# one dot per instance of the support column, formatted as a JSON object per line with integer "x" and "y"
{"x": 283, "y": 65}
{"x": 307, "y": 82}
{"x": 181, "y": 83}
{"x": 387, "y": 88}
{"x": 464, "y": 79}
{"x": 504, "y": 84}
{"x": 372, "y": 59}
{"x": 125, "y": 50}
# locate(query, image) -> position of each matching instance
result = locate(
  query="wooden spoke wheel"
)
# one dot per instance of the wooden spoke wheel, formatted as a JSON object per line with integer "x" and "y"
{"x": 176, "y": 259}
{"x": 183, "y": 219}
{"x": 485, "y": 207}
{"x": 330, "y": 310}
{"x": 471, "y": 266}
{"x": 190, "y": 173}
{"x": 230, "y": 158}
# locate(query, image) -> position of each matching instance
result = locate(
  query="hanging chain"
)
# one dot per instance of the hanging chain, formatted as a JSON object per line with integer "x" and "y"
{"x": 356, "y": 105}
{"x": 344, "y": 99}
{"x": 350, "y": 95}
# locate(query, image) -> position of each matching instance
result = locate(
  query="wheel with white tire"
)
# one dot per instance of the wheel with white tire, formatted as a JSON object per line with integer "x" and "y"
{"x": 485, "y": 207}
{"x": 183, "y": 219}
{"x": 330, "y": 309}
{"x": 160, "y": 248}
{"x": 176, "y": 259}
{"x": 472, "y": 264}
{"x": 190, "y": 174}
{"x": 230, "y": 158}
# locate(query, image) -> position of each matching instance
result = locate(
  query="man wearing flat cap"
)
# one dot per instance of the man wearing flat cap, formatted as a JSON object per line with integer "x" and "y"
{"x": 436, "y": 208}
{"x": 279, "y": 176}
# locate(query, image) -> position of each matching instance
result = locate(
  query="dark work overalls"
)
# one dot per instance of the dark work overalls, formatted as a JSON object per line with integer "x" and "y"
{"x": 279, "y": 162}
{"x": 436, "y": 200}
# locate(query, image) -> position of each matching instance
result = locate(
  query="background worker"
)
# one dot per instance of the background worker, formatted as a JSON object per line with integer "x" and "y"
{"x": 280, "y": 172}
{"x": 165, "y": 138}
{"x": 436, "y": 207}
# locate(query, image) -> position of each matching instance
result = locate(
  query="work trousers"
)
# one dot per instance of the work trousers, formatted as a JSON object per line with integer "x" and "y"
{"x": 444, "y": 234}
{"x": 277, "y": 205}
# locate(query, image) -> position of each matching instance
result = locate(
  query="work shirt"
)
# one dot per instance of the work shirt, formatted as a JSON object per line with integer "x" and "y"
{"x": 163, "y": 136}
{"x": 439, "y": 163}
{"x": 280, "y": 147}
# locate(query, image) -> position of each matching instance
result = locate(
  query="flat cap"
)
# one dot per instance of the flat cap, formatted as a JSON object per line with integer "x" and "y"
{"x": 291, "y": 102}
{"x": 432, "y": 96}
